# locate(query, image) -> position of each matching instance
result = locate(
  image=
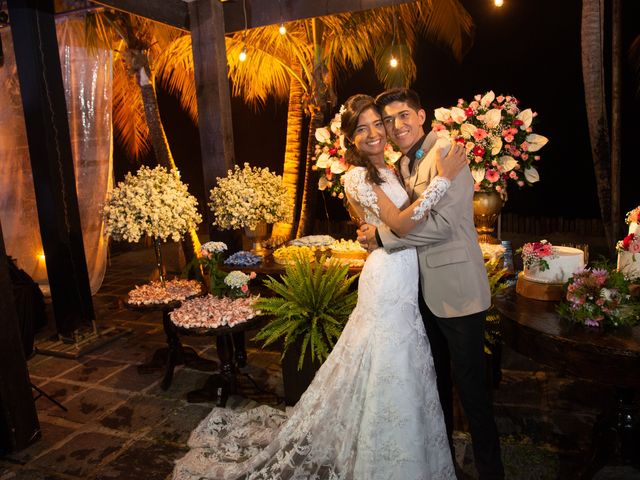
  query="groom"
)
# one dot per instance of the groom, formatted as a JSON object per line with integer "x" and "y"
{"x": 453, "y": 278}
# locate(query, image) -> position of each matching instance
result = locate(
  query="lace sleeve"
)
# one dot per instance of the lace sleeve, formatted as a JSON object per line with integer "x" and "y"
{"x": 434, "y": 192}
{"x": 357, "y": 187}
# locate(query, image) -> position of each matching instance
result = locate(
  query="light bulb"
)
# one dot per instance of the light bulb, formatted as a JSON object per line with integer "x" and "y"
{"x": 243, "y": 54}
{"x": 282, "y": 29}
{"x": 393, "y": 63}
{"x": 498, "y": 3}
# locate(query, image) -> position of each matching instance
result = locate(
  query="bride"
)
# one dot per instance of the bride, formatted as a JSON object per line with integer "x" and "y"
{"x": 372, "y": 410}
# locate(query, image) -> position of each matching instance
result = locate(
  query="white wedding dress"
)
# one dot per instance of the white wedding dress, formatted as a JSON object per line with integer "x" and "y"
{"x": 372, "y": 410}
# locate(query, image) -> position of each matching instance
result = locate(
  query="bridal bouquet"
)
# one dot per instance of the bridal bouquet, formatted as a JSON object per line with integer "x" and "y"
{"x": 329, "y": 156}
{"x": 247, "y": 196}
{"x": 152, "y": 202}
{"x": 600, "y": 297}
{"x": 499, "y": 140}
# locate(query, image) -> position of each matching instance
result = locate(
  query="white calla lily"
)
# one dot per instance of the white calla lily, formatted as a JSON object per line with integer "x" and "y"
{"x": 323, "y": 135}
{"x": 488, "y": 98}
{"x": 526, "y": 116}
{"x": 443, "y": 134}
{"x": 536, "y": 142}
{"x": 531, "y": 174}
{"x": 467, "y": 130}
{"x": 323, "y": 161}
{"x": 342, "y": 145}
{"x": 442, "y": 114}
{"x": 335, "y": 126}
{"x": 338, "y": 167}
{"x": 323, "y": 183}
{"x": 496, "y": 145}
{"x": 507, "y": 162}
{"x": 458, "y": 115}
{"x": 478, "y": 174}
{"x": 492, "y": 118}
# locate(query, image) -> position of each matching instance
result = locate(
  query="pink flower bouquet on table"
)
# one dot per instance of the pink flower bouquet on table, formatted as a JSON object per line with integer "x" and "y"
{"x": 498, "y": 137}
{"x": 536, "y": 254}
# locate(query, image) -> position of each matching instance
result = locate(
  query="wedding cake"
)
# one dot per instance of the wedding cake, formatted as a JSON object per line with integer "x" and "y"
{"x": 546, "y": 269}
{"x": 629, "y": 247}
{"x": 561, "y": 264}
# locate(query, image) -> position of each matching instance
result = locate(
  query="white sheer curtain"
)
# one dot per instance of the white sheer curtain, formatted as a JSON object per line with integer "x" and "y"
{"x": 87, "y": 80}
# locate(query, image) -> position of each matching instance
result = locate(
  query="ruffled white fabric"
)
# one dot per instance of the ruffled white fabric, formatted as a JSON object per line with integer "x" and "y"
{"x": 372, "y": 410}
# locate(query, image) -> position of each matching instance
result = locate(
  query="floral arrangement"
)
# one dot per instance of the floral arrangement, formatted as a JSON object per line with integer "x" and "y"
{"x": 247, "y": 196}
{"x": 330, "y": 152}
{"x": 152, "y": 202}
{"x": 499, "y": 140}
{"x": 238, "y": 283}
{"x": 536, "y": 254}
{"x": 214, "y": 312}
{"x": 630, "y": 243}
{"x": 209, "y": 258}
{"x": 155, "y": 293}
{"x": 599, "y": 297}
{"x": 633, "y": 216}
{"x": 243, "y": 259}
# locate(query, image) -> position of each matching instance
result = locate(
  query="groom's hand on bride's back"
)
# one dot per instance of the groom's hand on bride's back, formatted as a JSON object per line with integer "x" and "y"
{"x": 367, "y": 237}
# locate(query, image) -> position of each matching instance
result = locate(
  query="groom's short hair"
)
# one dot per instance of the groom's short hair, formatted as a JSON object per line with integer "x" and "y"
{"x": 406, "y": 95}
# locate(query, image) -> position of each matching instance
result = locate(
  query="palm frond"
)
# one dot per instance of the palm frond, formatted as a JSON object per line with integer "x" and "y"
{"x": 128, "y": 111}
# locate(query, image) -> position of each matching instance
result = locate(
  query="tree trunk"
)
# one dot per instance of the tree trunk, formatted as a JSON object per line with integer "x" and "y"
{"x": 616, "y": 129}
{"x": 307, "y": 205}
{"x": 595, "y": 100}
{"x": 292, "y": 157}
{"x": 161, "y": 146}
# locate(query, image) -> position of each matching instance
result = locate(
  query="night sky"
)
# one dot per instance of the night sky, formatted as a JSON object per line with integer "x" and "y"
{"x": 529, "y": 49}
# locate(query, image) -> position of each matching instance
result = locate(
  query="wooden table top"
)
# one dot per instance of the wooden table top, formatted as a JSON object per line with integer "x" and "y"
{"x": 533, "y": 328}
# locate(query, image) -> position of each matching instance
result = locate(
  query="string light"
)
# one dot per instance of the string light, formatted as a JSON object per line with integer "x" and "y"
{"x": 282, "y": 29}
{"x": 498, "y": 3}
{"x": 243, "y": 53}
{"x": 393, "y": 61}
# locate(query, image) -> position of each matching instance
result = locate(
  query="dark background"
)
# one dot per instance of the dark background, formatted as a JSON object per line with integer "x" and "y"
{"x": 527, "y": 48}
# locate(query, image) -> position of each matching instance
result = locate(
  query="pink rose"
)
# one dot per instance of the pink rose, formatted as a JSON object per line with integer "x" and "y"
{"x": 520, "y": 183}
{"x": 252, "y": 275}
{"x": 508, "y": 138}
{"x": 476, "y": 187}
{"x": 244, "y": 288}
{"x": 498, "y": 188}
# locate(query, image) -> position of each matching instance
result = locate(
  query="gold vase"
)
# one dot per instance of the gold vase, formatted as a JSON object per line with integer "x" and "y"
{"x": 258, "y": 235}
{"x": 486, "y": 208}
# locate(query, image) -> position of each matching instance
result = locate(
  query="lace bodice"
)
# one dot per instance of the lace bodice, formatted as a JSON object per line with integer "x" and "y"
{"x": 358, "y": 188}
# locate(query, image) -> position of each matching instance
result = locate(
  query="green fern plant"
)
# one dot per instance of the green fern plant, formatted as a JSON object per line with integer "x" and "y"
{"x": 312, "y": 303}
{"x": 496, "y": 274}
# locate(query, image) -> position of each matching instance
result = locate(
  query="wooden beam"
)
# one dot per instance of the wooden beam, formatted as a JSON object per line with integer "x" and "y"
{"x": 170, "y": 12}
{"x": 259, "y": 12}
{"x": 212, "y": 92}
{"x": 45, "y": 117}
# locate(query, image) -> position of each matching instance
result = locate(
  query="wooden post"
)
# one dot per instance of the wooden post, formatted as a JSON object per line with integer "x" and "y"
{"x": 212, "y": 90}
{"x": 19, "y": 425}
{"x": 45, "y": 115}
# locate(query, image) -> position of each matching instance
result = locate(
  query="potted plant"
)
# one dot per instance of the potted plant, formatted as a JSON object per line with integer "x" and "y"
{"x": 311, "y": 306}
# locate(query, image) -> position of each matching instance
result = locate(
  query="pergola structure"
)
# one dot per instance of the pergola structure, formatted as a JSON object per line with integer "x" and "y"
{"x": 42, "y": 90}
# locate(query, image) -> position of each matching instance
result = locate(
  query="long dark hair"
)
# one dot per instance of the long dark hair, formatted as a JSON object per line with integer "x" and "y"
{"x": 353, "y": 108}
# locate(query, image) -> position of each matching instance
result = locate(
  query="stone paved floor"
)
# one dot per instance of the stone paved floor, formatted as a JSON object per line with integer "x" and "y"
{"x": 122, "y": 425}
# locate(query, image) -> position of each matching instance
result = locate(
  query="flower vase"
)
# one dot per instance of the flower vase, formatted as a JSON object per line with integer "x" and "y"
{"x": 486, "y": 209}
{"x": 159, "y": 264}
{"x": 257, "y": 235}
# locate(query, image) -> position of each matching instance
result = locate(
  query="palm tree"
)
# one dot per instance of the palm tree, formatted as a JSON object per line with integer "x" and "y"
{"x": 302, "y": 67}
{"x": 138, "y": 44}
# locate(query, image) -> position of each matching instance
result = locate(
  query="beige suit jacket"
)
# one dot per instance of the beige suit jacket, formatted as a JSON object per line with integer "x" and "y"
{"x": 452, "y": 272}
